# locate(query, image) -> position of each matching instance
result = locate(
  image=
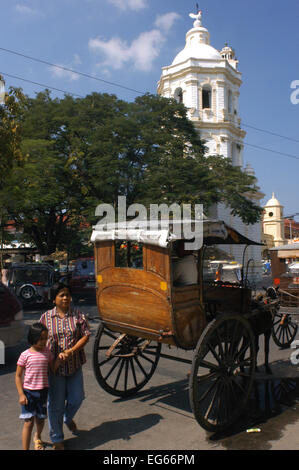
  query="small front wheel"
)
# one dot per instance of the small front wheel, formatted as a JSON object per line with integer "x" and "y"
{"x": 222, "y": 372}
{"x": 122, "y": 363}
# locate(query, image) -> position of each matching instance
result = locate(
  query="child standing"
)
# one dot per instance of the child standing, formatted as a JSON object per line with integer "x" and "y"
{"x": 33, "y": 391}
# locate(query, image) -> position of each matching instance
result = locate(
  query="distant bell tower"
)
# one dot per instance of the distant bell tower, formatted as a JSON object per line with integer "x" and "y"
{"x": 273, "y": 221}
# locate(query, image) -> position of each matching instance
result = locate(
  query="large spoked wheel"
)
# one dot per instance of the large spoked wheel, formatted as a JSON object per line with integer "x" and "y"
{"x": 222, "y": 372}
{"x": 284, "y": 329}
{"x": 123, "y": 364}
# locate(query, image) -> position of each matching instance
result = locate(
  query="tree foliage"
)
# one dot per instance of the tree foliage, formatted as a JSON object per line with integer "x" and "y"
{"x": 69, "y": 155}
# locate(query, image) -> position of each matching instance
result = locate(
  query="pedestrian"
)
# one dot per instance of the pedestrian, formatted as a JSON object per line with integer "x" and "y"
{"x": 34, "y": 364}
{"x": 68, "y": 334}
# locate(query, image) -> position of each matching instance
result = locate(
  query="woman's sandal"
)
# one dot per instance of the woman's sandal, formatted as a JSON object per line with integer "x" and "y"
{"x": 38, "y": 444}
{"x": 73, "y": 427}
{"x": 58, "y": 446}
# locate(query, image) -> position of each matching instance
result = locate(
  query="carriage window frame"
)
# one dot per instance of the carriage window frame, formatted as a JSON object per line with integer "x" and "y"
{"x": 128, "y": 254}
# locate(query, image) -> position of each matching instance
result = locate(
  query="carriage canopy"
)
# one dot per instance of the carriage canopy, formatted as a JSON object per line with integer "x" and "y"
{"x": 166, "y": 231}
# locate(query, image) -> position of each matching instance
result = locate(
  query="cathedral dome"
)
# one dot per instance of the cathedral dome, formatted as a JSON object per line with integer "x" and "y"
{"x": 197, "y": 51}
{"x": 197, "y": 46}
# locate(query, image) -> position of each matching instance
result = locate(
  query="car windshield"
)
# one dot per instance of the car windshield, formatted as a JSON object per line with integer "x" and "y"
{"x": 30, "y": 275}
{"x": 84, "y": 268}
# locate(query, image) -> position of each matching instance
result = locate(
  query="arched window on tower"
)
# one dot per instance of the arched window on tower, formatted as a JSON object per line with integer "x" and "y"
{"x": 230, "y": 102}
{"x": 178, "y": 95}
{"x": 206, "y": 97}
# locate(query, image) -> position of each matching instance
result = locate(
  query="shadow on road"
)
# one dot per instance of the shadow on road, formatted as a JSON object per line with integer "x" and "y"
{"x": 271, "y": 397}
{"x": 112, "y": 430}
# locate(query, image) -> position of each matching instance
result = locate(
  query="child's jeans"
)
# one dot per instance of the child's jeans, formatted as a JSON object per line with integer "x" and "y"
{"x": 66, "y": 394}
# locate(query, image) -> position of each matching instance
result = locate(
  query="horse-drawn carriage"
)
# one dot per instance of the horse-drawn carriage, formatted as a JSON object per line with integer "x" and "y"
{"x": 140, "y": 309}
{"x": 285, "y": 275}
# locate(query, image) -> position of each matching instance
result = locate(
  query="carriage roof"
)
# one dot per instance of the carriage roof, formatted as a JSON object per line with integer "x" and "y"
{"x": 167, "y": 231}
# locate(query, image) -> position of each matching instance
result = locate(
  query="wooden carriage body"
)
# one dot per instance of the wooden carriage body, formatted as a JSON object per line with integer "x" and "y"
{"x": 145, "y": 303}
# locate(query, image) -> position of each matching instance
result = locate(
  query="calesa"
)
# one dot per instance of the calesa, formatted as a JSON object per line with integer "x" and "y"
{"x": 114, "y": 460}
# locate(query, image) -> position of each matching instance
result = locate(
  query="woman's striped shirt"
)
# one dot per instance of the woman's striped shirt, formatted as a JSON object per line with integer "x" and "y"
{"x": 64, "y": 333}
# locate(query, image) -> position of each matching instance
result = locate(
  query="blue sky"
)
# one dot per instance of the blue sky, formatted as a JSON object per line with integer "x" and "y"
{"x": 129, "y": 41}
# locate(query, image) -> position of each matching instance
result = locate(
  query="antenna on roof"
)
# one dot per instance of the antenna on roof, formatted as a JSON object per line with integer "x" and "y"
{"x": 197, "y": 7}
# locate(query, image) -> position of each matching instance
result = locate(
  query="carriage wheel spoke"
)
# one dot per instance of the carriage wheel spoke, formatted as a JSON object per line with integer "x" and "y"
{"x": 112, "y": 368}
{"x": 146, "y": 358}
{"x": 133, "y": 371}
{"x": 126, "y": 374}
{"x": 206, "y": 393}
{"x": 119, "y": 374}
{"x": 140, "y": 366}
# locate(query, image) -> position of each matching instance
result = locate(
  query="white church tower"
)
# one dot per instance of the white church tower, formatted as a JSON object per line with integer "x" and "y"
{"x": 207, "y": 82}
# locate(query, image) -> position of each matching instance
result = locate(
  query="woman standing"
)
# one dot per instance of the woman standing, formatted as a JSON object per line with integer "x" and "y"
{"x": 68, "y": 334}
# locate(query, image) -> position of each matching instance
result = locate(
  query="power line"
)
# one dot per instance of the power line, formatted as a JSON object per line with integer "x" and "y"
{"x": 81, "y": 96}
{"x": 93, "y": 77}
{"x": 66, "y": 69}
{"x": 272, "y": 151}
{"x": 40, "y": 84}
{"x": 271, "y": 133}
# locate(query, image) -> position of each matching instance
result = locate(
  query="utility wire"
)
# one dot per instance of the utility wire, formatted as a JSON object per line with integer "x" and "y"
{"x": 81, "y": 96}
{"x": 117, "y": 85}
{"x": 86, "y": 75}
{"x": 40, "y": 84}
{"x": 271, "y": 133}
{"x": 272, "y": 151}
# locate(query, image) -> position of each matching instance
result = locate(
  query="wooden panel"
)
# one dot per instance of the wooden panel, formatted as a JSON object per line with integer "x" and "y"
{"x": 188, "y": 315}
{"x": 137, "y": 307}
{"x": 185, "y": 294}
{"x": 190, "y": 321}
{"x": 228, "y": 298}
{"x": 134, "y": 277}
{"x": 104, "y": 255}
{"x": 156, "y": 260}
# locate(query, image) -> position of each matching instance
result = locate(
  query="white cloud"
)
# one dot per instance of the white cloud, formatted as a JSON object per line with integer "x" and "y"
{"x": 25, "y": 10}
{"x": 141, "y": 52}
{"x": 58, "y": 72}
{"x": 129, "y": 4}
{"x": 165, "y": 22}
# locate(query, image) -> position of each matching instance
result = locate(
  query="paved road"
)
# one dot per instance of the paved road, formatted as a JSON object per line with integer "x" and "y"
{"x": 159, "y": 416}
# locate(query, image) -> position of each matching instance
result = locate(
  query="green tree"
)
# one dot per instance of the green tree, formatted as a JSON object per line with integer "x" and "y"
{"x": 77, "y": 153}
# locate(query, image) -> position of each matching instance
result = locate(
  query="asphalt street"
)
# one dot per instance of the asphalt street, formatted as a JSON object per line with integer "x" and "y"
{"x": 159, "y": 416}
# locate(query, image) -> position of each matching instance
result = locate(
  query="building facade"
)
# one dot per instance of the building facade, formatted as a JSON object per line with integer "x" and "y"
{"x": 208, "y": 82}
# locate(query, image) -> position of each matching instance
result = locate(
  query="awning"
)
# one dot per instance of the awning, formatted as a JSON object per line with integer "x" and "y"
{"x": 210, "y": 231}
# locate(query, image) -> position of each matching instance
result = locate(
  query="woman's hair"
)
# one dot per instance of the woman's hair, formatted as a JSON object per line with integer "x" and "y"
{"x": 35, "y": 332}
{"x": 57, "y": 288}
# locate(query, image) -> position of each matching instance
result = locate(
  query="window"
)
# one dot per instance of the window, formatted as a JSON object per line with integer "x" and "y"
{"x": 206, "y": 97}
{"x": 178, "y": 95}
{"x": 128, "y": 254}
{"x": 230, "y": 101}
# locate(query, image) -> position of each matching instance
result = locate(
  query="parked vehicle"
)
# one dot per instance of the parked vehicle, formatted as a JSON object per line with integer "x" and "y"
{"x": 12, "y": 327}
{"x": 32, "y": 282}
{"x": 82, "y": 282}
